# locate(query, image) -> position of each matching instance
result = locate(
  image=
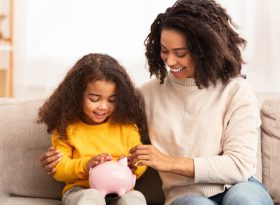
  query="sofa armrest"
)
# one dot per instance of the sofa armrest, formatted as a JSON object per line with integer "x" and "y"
{"x": 270, "y": 128}
{"x": 22, "y": 141}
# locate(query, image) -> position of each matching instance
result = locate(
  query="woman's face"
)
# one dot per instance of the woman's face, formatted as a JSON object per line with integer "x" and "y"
{"x": 98, "y": 101}
{"x": 174, "y": 52}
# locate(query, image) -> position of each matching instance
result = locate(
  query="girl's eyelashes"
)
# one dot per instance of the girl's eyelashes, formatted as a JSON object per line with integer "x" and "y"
{"x": 110, "y": 100}
{"x": 93, "y": 99}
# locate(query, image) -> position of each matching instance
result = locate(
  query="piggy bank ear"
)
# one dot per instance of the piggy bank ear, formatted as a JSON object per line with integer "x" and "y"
{"x": 123, "y": 161}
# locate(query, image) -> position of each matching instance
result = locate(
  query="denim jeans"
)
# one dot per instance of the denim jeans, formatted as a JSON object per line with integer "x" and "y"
{"x": 251, "y": 192}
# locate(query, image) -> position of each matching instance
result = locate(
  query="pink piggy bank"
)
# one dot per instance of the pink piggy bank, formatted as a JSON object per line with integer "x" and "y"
{"x": 112, "y": 177}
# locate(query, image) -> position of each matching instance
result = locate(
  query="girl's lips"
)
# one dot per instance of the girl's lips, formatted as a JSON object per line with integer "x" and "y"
{"x": 99, "y": 115}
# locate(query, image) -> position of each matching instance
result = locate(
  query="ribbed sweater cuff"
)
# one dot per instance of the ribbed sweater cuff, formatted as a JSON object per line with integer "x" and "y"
{"x": 201, "y": 170}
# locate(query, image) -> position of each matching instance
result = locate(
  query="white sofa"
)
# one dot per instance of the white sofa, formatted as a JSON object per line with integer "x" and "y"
{"x": 22, "y": 141}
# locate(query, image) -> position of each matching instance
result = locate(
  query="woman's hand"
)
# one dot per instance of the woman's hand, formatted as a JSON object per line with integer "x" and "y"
{"x": 98, "y": 159}
{"x": 132, "y": 166}
{"x": 150, "y": 156}
{"x": 50, "y": 159}
{"x": 129, "y": 164}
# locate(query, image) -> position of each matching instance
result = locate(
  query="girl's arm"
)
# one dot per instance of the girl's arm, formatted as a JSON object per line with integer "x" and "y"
{"x": 69, "y": 169}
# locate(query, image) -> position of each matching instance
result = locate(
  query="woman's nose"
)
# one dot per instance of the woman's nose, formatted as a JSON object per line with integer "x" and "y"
{"x": 171, "y": 60}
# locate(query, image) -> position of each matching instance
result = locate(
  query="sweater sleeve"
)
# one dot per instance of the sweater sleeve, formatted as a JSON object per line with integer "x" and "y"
{"x": 238, "y": 159}
{"x": 68, "y": 169}
{"x": 133, "y": 140}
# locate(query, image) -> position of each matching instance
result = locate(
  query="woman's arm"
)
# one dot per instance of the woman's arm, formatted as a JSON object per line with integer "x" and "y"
{"x": 133, "y": 139}
{"x": 148, "y": 155}
{"x": 50, "y": 159}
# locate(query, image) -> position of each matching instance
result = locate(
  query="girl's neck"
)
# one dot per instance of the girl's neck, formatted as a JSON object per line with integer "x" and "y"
{"x": 87, "y": 121}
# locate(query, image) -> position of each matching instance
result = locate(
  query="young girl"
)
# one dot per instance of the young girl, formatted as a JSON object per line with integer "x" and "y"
{"x": 95, "y": 115}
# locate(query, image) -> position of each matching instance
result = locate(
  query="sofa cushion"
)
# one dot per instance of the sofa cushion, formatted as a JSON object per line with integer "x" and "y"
{"x": 270, "y": 115}
{"x": 14, "y": 200}
{"x": 22, "y": 141}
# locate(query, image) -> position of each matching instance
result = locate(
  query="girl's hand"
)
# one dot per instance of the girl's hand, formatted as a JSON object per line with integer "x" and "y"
{"x": 50, "y": 159}
{"x": 150, "y": 156}
{"x": 98, "y": 159}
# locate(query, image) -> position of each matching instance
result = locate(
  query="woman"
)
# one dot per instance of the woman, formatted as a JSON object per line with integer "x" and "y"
{"x": 202, "y": 115}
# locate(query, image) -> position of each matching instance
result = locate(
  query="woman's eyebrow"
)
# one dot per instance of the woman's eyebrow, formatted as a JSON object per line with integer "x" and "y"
{"x": 175, "y": 49}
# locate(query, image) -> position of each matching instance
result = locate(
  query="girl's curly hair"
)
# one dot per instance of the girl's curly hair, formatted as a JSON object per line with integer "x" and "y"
{"x": 65, "y": 105}
{"x": 212, "y": 41}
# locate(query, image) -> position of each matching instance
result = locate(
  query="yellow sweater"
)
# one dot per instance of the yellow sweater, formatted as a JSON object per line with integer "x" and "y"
{"x": 84, "y": 142}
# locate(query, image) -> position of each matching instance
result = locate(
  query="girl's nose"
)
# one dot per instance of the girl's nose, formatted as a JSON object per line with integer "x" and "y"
{"x": 103, "y": 105}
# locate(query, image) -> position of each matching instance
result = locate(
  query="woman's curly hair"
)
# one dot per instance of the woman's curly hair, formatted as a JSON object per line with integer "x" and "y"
{"x": 212, "y": 41}
{"x": 65, "y": 105}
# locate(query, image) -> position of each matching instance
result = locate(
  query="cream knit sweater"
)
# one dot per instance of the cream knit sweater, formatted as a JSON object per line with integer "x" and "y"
{"x": 217, "y": 127}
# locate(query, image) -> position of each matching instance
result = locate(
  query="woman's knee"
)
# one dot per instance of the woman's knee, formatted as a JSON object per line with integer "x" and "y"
{"x": 192, "y": 200}
{"x": 247, "y": 193}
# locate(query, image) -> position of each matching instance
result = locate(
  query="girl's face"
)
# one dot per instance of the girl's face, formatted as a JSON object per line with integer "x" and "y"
{"x": 98, "y": 101}
{"x": 174, "y": 52}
